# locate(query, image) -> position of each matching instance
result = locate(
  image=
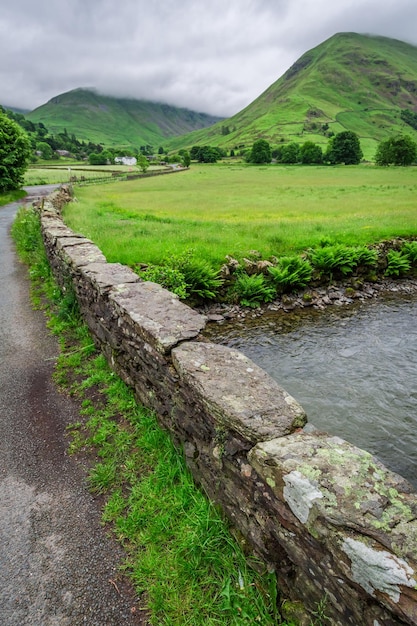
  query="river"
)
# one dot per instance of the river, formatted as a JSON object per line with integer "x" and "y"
{"x": 353, "y": 369}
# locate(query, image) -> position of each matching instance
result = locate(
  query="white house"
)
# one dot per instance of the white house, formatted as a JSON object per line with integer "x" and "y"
{"x": 125, "y": 160}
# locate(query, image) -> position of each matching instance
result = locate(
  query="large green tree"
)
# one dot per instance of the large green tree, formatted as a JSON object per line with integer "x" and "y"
{"x": 290, "y": 153}
{"x": 311, "y": 153}
{"x": 15, "y": 152}
{"x": 344, "y": 148}
{"x": 261, "y": 152}
{"x": 398, "y": 150}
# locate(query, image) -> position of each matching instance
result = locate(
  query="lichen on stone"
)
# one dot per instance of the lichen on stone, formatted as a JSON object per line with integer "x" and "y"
{"x": 378, "y": 570}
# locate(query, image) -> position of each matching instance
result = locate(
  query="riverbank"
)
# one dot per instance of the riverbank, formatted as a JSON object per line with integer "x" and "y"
{"x": 346, "y": 293}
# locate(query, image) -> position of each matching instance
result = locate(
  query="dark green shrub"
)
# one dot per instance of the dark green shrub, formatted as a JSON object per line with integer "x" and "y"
{"x": 253, "y": 290}
{"x": 398, "y": 263}
{"x": 290, "y": 273}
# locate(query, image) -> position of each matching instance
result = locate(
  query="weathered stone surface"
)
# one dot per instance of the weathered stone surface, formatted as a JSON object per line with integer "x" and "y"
{"x": 240, "y": 394}
{"x": 354, "y": 508}
{"x": 78, "y": 252}
{"x": 156, "y": 315}
{"x": 55, "y": 227}
{"x": 103, "y": 276}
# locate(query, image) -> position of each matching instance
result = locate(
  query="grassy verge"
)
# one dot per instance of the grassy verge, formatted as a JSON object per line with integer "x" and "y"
{"x": 180, "y": 553}
{"x": 11, "y": 196}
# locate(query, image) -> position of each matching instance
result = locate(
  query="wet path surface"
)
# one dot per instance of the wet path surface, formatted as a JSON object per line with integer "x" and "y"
{"x": 57, "y": 565}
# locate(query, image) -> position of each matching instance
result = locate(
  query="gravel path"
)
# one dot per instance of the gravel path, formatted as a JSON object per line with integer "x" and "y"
{"x": 57, "y": 565}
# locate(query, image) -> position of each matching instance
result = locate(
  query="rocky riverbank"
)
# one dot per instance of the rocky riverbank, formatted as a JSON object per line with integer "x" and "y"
{"x": 338, "y": 295}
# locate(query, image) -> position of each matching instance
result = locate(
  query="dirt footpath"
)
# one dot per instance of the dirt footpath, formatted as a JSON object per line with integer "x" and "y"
{"x": 57, "y": 565}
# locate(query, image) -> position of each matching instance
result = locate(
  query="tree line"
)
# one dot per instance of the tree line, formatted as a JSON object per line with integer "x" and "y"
{"x": 344, "y": 148}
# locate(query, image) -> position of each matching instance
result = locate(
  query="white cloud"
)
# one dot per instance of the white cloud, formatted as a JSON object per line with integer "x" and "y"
{"x": 209, "y": 56}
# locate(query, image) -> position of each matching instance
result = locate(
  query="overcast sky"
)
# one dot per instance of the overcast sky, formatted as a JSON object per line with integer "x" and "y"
{"x": 214, "y": 56}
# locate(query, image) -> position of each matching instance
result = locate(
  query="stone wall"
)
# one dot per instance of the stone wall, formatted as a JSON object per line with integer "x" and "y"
{"x": 329, "y": 518}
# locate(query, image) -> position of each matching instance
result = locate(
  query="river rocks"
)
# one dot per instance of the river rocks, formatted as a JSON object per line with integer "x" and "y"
{"x": 319, "y": 298}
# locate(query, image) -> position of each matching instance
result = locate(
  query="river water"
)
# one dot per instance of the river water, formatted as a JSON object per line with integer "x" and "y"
{"x": 354, "y": 371}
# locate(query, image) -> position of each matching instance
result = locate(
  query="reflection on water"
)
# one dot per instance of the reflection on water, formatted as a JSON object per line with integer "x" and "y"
{"x": 354, "y": 371}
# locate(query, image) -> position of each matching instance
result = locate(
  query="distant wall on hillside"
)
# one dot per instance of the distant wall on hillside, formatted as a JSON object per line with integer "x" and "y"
{"x": 330, "y": 519}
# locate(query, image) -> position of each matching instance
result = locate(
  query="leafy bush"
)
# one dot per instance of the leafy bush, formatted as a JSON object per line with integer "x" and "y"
{"x": 291, "y": 273}
{"x": 398, "y": 263}
{"x": 253, "y": 290}
{"x": 15, "y": 152}
{"x": 201, "y": 279}
{"x": 169, "y": 277}
{"x": 186, "y": 276}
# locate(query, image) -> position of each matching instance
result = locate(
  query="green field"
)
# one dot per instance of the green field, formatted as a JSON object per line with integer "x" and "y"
{"x": 225, "y": 209}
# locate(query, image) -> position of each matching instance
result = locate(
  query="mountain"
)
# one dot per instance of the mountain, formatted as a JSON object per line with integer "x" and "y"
{"x": 349, "y": 82}
{"x": 117, "y": 121}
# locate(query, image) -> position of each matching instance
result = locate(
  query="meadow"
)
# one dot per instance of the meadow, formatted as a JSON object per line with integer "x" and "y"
{"x": 227, "y": 209}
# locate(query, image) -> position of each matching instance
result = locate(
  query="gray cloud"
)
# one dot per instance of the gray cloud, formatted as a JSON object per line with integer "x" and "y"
{"x": 211, "y": 56}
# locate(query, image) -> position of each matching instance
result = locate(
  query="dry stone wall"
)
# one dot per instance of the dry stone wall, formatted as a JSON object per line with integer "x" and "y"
{"x": 336, "y": 526}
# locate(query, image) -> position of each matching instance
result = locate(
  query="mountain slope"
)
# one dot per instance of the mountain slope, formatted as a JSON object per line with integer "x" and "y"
{"x": 349, "y": 82}
{"x": 117, "y": 121}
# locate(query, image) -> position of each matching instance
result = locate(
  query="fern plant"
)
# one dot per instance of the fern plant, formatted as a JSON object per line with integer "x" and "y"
{"x": 398, "y": 263}
{"x": 201, "y": 279}
{"x": 333, "y": 259}
{"x": 253, "y": 290}
{"x": 290, "y": 273}
{"x": 367, "y": 257}
{"x": 409, "y": 249}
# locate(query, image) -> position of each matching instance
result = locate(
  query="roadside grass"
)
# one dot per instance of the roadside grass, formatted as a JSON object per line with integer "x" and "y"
{"x": 11, "y": 196}
{"x": 186, "y": 567}
{"x": 226, "y": 209}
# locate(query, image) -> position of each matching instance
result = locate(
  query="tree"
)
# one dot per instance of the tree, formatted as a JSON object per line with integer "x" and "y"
{"x": 290, "y": 153}
{"x": 344, "y": 148}
{"x": 142, "y": 162}
{"x": 97, "y": 158}
{"x": 15, "y": 152}
{"x": 261, "y": 152}
{"x": 186, "y": 159}
{"x": 397, "y": 150}
{"x": 311, "y": 153}
{"x": 45, "y": 150}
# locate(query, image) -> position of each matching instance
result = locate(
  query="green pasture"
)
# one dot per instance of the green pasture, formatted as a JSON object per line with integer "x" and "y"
{"x": 231, "y": 209}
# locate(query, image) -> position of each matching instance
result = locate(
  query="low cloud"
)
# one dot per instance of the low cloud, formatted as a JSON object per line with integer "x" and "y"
{"x": 212, "y": 56}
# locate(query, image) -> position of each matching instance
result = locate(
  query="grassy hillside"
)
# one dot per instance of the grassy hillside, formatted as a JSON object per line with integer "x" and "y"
{"x": 117, "y": 121}
{"x": 349, "y": 82}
